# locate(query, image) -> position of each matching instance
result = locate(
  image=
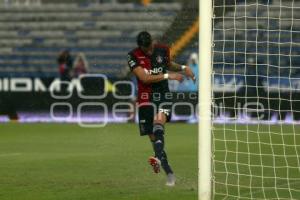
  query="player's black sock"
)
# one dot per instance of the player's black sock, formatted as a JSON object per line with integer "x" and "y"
{"x": 158, "y": 145}
{"x": 165, "y": 164}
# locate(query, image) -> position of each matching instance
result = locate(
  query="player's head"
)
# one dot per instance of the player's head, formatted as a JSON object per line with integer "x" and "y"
{"x": 144, "y": 41}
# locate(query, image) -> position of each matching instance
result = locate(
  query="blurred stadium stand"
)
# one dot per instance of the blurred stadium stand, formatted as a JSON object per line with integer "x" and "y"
{"x": 282, "y": 39}
{"x": 33, "y": 32}
{"x": 31, "y": 36}
{"x": 185, "y": 19}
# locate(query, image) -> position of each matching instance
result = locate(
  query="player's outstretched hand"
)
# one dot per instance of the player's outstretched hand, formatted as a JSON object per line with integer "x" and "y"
{"x": 176, "y": 76}
{"x": 189, "y": 73}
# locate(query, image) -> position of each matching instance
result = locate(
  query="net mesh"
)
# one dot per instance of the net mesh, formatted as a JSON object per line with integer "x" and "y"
{"x": 256, "y": 100}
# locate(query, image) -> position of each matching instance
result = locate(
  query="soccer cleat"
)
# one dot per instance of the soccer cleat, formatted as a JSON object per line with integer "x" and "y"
{"x": 155, "y": 163}
{"x": 171, "y": 179}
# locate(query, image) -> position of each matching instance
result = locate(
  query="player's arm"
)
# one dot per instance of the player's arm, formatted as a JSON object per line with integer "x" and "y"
{"x": 140, "y": 73}
{"x": 186, "y": 69}
{"x": 175, "y": 67}
{"x": 148, "y": 79}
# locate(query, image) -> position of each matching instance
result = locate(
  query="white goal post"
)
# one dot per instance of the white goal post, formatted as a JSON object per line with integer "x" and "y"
{"x": 205, "y": 91}
{"x": 249, "y": 99}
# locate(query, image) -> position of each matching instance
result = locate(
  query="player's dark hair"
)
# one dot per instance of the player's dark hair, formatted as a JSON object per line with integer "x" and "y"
{"x": 144, "y": 39}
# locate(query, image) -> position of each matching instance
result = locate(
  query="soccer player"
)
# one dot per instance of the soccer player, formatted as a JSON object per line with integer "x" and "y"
{"x": 151, "y": 64}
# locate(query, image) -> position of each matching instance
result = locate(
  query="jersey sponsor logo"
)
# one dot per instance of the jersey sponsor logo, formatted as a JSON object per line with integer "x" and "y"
{"x": 156, "y": 70}
{"x": 159, "y": 59}
{"x": 146, "y": 71}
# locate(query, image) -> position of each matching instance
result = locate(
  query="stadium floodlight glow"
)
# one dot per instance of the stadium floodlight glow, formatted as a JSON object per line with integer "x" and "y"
{"x": 205, "y": 101}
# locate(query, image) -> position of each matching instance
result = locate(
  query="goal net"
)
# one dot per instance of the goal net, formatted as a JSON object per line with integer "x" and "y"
{"x": 256, "y": 99}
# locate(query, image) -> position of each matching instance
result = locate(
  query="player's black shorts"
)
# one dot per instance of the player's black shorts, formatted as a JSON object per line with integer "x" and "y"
{"x": 147, "y": 113}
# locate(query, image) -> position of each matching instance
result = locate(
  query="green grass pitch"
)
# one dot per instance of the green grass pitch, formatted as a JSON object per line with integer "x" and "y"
{"x": 257, "y": 162}
{"x": 66, "y": 162}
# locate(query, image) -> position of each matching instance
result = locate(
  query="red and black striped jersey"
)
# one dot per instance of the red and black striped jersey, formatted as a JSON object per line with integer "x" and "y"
{"x": 157, "y": 63}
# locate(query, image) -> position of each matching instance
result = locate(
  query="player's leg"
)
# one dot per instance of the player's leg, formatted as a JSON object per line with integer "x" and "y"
{"x": 153, "y": 160}
{"x": 158, "y": 130}
{"x": 146, "y": 116}
{"x": 159, "y": 141}
{"x": 155, "y": 125}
